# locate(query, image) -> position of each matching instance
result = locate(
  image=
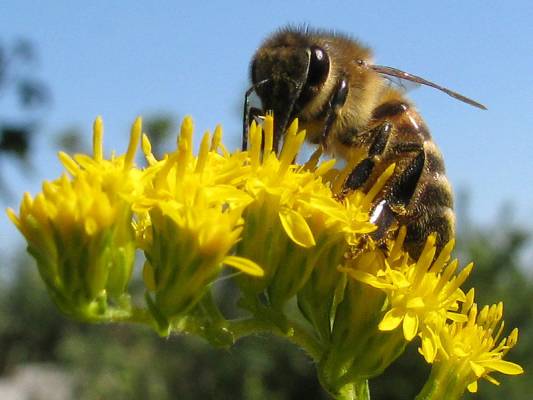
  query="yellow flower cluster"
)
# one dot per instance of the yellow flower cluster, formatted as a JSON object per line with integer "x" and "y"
{"x": 469, "y": 348}
{"x": 418, "y": 291}
{"x": 287, "y": 228}
{"x": 191, "y": 210}
{"x": 294, "y": 220}
{"x": 424, "y": 298}
{"x": 79, "y": 228}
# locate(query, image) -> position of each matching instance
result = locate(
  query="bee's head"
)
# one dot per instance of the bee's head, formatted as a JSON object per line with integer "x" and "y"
{"x": 292, "y": 69}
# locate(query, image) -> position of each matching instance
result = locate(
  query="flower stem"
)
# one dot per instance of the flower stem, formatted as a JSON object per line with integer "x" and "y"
{"x": 354, "y": 391}
{"x": 442, "y": 384}
{"x": 295, "y": 334}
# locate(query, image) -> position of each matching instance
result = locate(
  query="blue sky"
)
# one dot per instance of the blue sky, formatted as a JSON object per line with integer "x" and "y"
{"x": 120, "y": 59}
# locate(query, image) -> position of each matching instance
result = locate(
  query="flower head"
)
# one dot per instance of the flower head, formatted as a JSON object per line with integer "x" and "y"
{"x": 464, "y": 351}
{"x": 417, "y": 291}
{"x": 291, "y": 231}
{"x": 294, "y": 220}
{"x": 79, "y": 228}
{"x": 192, "y": 219}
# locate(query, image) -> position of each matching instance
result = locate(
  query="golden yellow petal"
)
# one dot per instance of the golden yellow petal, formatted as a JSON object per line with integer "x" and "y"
{"x": 135, "y": 136}
{"x": 391, "y": 320}
{"x": 472, "y": 387}
{"x": 428, "y": 349}
{"x": 456, "y": 317}
{"x": 202, "y": 153}
{"x": 477, "y": 369}
{"x": 415, "y": 302}
{"x": 69, "y": 164}
{"x": 255, "y": 136}
{"x": 505, "y": 367}
{"x": 325, "y": 167}
{"x": 491, "y": 380}
{"x": 268, "y": 127}
{"x": 13, "y": 217}
{"x": 410, "y": 325}
{"x": 98, "y": 133}
{"x": 297, "y": 228}
{"x": 245, "y": 265}
{"x": 381, "y": 181}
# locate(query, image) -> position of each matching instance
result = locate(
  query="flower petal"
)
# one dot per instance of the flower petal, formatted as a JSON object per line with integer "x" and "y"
{"x": 472, "y": 387}
{"x": 428, "y": 349}
{"x": 410, "y": 325}
{"x": 477, "y": 369}
{"x": 505, "y": 367}
{"x": 296, "y": 228}
{"x": 244, "y": 264}
{"x": 391, "y": 320}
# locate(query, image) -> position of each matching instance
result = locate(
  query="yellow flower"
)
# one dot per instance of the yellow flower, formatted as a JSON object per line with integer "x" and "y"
{"x": 294, "y": 221}
{"x": 292, "y": 233}
{"x": 462, "y": 352}
{"x": 417, "y": 291}
{"x": 79, "y": 228}
{"x": 117, "y": 176}
{"x": 192, "y": 219}
{"x": 358, "y": 349}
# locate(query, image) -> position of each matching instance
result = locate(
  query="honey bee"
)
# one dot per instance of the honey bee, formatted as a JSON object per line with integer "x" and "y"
{"x": 344, "y": 102}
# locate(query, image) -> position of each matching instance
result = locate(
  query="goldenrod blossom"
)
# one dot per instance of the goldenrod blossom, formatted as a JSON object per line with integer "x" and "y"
{"x": 358, "y": 349}
{"x": 294, "y": 218}
{"x": 462, "y": 352}
{"x": 79, "y": 228}
{"x": 417, "y": 291}
{"x": 295, "y": 235}
{"x": 194, "y": 212}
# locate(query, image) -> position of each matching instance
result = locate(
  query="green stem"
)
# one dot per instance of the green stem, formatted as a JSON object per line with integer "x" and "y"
{"x": 133, "y": 315}
{"x": 443, "y": 384}
{"x": 354, "y": 391}
{"x": 295, "y": 334}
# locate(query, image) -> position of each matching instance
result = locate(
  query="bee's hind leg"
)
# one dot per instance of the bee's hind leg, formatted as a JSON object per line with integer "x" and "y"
{"x": 397, "y": 209}
{"x": 393, "y": 208}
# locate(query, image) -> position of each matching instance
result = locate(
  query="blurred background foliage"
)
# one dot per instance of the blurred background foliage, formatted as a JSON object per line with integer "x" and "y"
{"x": 132, "y": 362}
{"x": 29, "y": 95}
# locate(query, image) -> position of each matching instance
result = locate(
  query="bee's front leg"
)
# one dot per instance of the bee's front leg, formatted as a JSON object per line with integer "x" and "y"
{"x": 253, "y": 113}
{"x": 335, "y": 103}
{"x": 248, "y": 113}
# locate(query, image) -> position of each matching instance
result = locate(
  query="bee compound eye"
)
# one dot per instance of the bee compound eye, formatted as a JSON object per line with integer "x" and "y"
{"x": 318, "y": 66}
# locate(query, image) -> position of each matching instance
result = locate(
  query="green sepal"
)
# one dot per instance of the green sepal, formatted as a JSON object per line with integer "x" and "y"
{"x": 213, "y": 325}
{"x": 162, "y": 323}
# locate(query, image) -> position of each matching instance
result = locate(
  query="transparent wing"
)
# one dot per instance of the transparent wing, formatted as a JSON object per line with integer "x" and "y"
{"x": 394, "y": 73}
{"x": 401, "y": 84}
